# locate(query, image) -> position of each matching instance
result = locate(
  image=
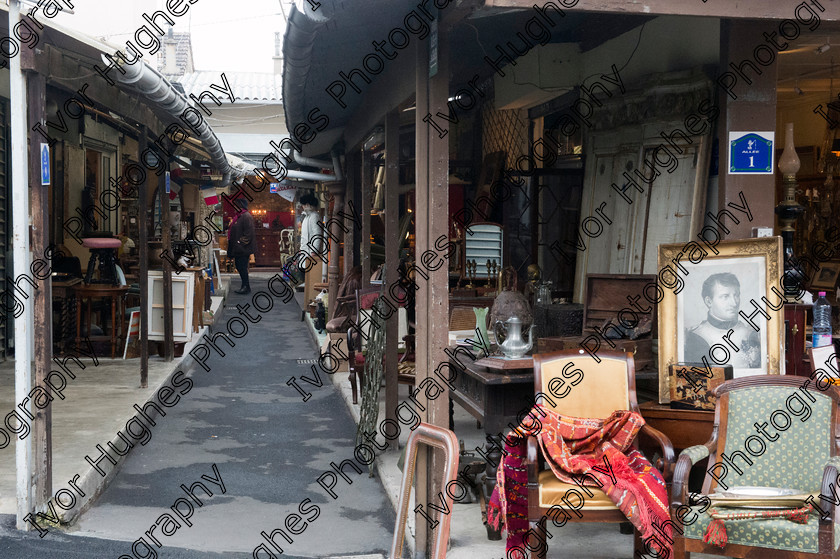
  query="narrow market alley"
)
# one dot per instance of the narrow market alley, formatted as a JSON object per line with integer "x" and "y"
{"x": 269, "y": 448}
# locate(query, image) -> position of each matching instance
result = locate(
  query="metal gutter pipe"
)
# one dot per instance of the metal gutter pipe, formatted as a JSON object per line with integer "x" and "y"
{"x": 143, "y": 79}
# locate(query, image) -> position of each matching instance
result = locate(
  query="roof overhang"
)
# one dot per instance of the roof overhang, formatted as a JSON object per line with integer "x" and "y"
{"x": 161, "y": 99}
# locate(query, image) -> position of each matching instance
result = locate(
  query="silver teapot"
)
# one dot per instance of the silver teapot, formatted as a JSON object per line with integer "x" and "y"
{"x": 513, "y": 346}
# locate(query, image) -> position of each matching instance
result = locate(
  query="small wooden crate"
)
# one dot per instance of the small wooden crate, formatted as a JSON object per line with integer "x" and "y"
{"x": 605, "y": 298}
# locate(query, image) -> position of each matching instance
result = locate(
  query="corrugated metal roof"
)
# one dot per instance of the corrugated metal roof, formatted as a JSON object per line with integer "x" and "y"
{"x": 247, "y": 86}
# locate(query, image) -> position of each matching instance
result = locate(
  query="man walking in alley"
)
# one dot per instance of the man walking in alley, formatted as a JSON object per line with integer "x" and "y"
{"x": 241, "y": 242}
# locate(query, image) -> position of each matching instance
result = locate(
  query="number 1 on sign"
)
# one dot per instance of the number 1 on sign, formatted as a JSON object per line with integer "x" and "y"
{"x": 751, "y": 161}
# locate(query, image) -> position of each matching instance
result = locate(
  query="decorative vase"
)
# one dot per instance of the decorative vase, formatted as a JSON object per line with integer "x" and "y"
{"x": 481, "y": 326}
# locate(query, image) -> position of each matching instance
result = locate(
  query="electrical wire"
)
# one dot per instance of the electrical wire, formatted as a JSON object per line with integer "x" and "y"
{"x": 638, "y": 42}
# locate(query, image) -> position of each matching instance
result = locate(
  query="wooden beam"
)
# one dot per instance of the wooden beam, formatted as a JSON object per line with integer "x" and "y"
{"x": 367, "y": 184}
{"x": 23, "y": 327}
{"x": 432, "y": 298}
{"x": 753, "y": 109}
{"x": 143, "y": 279}
{"x": 393, "y": 87}
{"x": 74, "y": 77}
{"x": 351, "y": 237}
{"x": 42, "y": 296}
{"x": 166, "y": 237}
{"x": 392, "y": 227}
{"x": 741, "y": 9}
{"x": 336, "y": 190}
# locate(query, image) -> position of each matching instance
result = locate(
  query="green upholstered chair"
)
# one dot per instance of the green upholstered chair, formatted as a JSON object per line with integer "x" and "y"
{"x": 800, "y": 454}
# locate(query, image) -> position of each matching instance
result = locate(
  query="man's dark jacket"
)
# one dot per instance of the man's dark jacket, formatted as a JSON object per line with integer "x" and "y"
{"x": 242, "y": 230}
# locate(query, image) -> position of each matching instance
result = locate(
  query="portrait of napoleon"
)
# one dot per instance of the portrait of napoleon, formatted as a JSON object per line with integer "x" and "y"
{"x": 721, "y": 296}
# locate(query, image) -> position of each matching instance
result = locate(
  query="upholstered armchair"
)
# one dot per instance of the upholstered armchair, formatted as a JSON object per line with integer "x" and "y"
{"x": 778, "y": 431}
{"x": 604, "y": 387}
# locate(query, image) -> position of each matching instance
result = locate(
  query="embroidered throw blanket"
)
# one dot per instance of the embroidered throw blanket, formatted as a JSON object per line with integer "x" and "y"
{"x": 599, "y": 448}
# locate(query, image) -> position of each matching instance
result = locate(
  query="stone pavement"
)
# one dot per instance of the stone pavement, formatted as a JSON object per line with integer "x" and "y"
{"x": 268, "y": 446}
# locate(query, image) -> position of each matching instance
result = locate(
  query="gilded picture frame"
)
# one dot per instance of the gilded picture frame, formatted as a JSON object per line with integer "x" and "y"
{"x": 722, "y": 303}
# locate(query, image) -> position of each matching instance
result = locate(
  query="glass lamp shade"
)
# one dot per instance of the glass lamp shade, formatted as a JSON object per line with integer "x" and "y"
{"x": 789, "y": 162}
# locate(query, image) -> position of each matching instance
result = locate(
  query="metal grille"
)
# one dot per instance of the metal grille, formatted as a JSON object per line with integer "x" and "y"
{"x": 504, "y": 130}
{"x": 374, "y": 369}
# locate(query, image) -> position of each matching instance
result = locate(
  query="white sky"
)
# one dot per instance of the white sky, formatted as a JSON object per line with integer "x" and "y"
{"x": 226, "y": 35}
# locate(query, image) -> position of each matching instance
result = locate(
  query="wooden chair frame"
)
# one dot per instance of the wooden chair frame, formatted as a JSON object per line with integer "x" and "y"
{"x": 535, "y": 462}
{"x": 436, "y": 437}
{"x": 352, "y": 336}
{"x": 683, "y": 547}
{"x": 357, "y": 374}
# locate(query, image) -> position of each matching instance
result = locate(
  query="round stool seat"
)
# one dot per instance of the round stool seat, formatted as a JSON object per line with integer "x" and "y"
{"x": 99, "y": 242}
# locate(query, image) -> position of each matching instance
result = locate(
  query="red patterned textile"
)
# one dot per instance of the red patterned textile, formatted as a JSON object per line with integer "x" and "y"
{"x": 599, "y": 448}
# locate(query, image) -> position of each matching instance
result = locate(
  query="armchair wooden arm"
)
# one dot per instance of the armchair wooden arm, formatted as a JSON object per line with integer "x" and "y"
{"x": 826, "y": 523}
{"x": 687, "y": 459}
{"x": 665, "y": 463}
{"x": 532, "y": 461}
{"x": 828, "y": 487}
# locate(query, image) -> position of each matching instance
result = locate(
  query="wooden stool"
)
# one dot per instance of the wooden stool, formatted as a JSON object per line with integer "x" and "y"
{"x": 104, "y": 249}
{"x": 117, "y": 298}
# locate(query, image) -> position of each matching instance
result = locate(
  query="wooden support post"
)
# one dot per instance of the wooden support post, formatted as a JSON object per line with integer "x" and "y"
{"x": 166, "y": 237}
{"x": 336, "y": 190}
{"x": 143, "y": 279}
{"x": 351, "y": 236}
{"x": 752, "y": 109}
{"x": 367, "y": 184}
{"x": 42, "y": 296}
{"x": 392, "y": 241}
{"x": 432, "y": 299}
{"x": 23, "y": 328}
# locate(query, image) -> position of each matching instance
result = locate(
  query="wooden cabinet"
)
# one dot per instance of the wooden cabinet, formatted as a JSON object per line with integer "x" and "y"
{"x": 182, "y": 305}
{"x": 796, "y": 358}
{"x": 268, "y": 248}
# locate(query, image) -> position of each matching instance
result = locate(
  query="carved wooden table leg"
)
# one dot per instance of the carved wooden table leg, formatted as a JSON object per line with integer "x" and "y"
{"x": 494, "y": 457}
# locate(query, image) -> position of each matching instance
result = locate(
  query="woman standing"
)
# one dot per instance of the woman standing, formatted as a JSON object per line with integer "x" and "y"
{"x": 241, "y": 242}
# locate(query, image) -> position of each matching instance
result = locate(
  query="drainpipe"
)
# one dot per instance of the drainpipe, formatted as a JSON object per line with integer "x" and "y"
{"x": 311, "y": 162}
{"x": 336, "y": 165}
{"x": 148, "y": 82}
{"x": 306, "y": 175}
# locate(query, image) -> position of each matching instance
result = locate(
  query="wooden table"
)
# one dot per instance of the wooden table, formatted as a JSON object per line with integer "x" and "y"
{"x": 62, "y": 293}
{"x": 116, "y": 294}
{"x": 494, "y": 397}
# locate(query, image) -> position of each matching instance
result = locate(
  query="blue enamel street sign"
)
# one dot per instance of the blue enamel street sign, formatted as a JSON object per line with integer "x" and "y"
{"x": 751, "y": 153}
{"x": 45, "y": 164}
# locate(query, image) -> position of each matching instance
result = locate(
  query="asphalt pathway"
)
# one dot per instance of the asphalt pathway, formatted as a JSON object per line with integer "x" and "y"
{"x": 268, "y": 446}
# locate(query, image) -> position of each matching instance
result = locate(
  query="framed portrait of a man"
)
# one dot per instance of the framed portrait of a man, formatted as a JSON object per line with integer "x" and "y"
{"x": 721, "y": 309}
